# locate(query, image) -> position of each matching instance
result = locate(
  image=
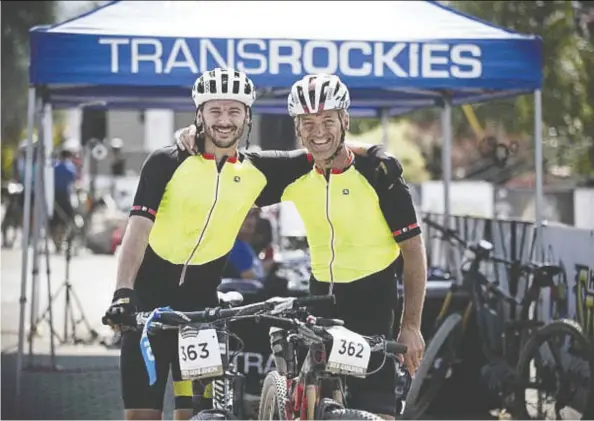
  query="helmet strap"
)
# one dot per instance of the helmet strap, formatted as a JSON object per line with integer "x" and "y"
{"x": 249, "y": 126}
{"x": 199, "y": 137}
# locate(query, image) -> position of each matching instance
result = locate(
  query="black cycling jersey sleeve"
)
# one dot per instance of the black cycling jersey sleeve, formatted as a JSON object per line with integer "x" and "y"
{"x": 280, "y": 168}
{"x": 154, "y": 176}
{"x": 394, "y": 198}
{"x": 398, "y": 208}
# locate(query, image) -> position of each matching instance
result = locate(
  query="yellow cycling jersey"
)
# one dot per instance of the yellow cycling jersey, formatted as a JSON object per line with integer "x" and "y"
{"x": 354, "y": 218}
{"x": 197, "y": 205}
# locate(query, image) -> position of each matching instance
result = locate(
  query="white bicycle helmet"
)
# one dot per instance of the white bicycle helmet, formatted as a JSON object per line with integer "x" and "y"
{"x": 319, "y": 92}
{"x": 220, "y": 84}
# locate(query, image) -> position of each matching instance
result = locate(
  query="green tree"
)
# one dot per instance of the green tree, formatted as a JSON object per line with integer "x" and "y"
{"x": 568, "y": 86}
{"x": 17, "y": 18}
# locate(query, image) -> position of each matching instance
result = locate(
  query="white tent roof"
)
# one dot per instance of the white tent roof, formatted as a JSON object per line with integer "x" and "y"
{"x": 324, "y": 20}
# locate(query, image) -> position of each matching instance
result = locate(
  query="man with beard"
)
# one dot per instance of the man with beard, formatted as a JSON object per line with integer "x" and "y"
{"x": 186, "y": 214}
{"x": 358, "y": 222}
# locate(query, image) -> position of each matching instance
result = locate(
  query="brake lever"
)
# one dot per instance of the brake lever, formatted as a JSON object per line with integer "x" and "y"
{"x": 309, "y": 333}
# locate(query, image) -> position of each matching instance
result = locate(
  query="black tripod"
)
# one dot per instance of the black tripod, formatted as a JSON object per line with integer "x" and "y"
{"x": 71, "y": 299}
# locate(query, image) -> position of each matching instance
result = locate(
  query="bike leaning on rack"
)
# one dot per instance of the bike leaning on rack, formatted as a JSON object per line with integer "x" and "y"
{"x": 315, "y": 389}
{"x": 204, "y": 349}
{"x": 512, "y": 348}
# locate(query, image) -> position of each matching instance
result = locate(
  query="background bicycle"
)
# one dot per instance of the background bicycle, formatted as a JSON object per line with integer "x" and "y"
{"x": 512, "y": 348}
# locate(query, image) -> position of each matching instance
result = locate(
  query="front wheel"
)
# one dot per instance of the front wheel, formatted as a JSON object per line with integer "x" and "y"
{"x": 274, "y": 397}
{"x": 555, "y": 374}
{"x": 435, "y": 367}
{"x": 349, "y": 414}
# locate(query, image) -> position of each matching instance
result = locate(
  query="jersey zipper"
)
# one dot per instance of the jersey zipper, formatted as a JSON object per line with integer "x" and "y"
{"x": 332, "y": 251}
{"x": 214, "y": 202}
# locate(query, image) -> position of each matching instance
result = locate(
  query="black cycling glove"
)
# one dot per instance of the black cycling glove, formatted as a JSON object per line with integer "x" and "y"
{"x": 386, "y": 166}
{"x": 124, "y": 303}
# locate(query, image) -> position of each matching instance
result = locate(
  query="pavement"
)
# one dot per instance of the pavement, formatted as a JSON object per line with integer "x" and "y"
{"x": 83, "y": 382}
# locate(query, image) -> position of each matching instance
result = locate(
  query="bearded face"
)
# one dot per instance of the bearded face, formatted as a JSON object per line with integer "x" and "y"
{"x": 223, "y": 121}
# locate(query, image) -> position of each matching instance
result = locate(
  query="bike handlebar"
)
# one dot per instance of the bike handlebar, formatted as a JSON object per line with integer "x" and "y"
{"x": 447, "y": 232}
{"x": 314, "y": 299}
{"x": 170, "y": 319}
{"x": 318, "y": 327}
{"x": 394, "y": 347}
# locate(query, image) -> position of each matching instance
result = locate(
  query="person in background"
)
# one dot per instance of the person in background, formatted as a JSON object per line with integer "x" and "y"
{"x": 64, "y": 177}
{"x": 262, "y": 241}
{"x": 262, "y": 238}
{"x": 16, "y": 205}
{"x": 243, "y": 262}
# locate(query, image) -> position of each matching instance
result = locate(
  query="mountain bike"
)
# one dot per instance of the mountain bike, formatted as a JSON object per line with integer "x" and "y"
{"x": 315, "y": 389}
{"x": 204, "y": 351}
{"x": 512, "y": 348}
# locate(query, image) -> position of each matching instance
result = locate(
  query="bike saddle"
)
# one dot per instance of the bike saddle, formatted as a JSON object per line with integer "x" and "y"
{"x": 543, "y": 273}
{"x": 481, "y": 248}
{"x": 230, "y": 299}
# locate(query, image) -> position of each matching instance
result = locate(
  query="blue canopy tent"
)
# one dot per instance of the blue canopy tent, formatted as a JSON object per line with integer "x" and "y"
{"x": 395, "y": 56}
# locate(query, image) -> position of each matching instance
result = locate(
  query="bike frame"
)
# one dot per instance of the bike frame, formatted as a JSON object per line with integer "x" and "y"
{"x": 223, "y": 392}
{"x": 313, "y": 383}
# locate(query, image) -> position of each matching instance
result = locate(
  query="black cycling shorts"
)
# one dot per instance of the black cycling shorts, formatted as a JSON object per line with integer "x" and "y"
{"x": 136, "y": 391}
{"x": 157, "y": 285}
{"x": 367, "y": 307}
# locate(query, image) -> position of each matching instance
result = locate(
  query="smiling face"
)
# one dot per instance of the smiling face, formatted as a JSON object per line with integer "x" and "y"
{"x": 321, "y": 133}
{"x": 224, "y": 122}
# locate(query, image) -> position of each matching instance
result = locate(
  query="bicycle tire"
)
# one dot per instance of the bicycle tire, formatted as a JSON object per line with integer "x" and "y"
{"x": 349, "y": 414}
{"x": 273, "y": 397}
{"x": 417, "y": 404}
{"x": 533, "y": 343}
{"x": 212, "y": 415}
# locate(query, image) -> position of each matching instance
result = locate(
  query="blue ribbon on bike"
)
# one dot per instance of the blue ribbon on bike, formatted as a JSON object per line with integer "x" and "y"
{"x": 145, "y": 345}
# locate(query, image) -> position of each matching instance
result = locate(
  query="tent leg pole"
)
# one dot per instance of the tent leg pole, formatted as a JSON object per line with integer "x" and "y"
{"x": 385, "y": 121}
{"x": 25, "y": 241}
{"x": 48, "y": 165}
{"x": 446, "y": 162}
{"x": 35, "y": 233}
{"x": 446, "y": 158}
{"x": 539, "y": 169}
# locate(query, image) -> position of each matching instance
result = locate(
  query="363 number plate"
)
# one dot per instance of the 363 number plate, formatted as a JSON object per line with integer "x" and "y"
{"x": 350, "y": 353}
{"x": 199, "y": 353}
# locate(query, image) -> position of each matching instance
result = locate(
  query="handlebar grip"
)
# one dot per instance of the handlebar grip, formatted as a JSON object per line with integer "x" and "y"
{"x": 122, "y": 319}
{"x": 324, "y": 322}
{"x": 314, "y": 299}
{"x": 274, "y": 321}
{"x": 394, "y": 347}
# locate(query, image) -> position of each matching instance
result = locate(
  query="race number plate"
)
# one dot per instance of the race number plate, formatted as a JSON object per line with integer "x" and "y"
{"x": 350, "y": 353}
{"x": 199, "y": 353}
